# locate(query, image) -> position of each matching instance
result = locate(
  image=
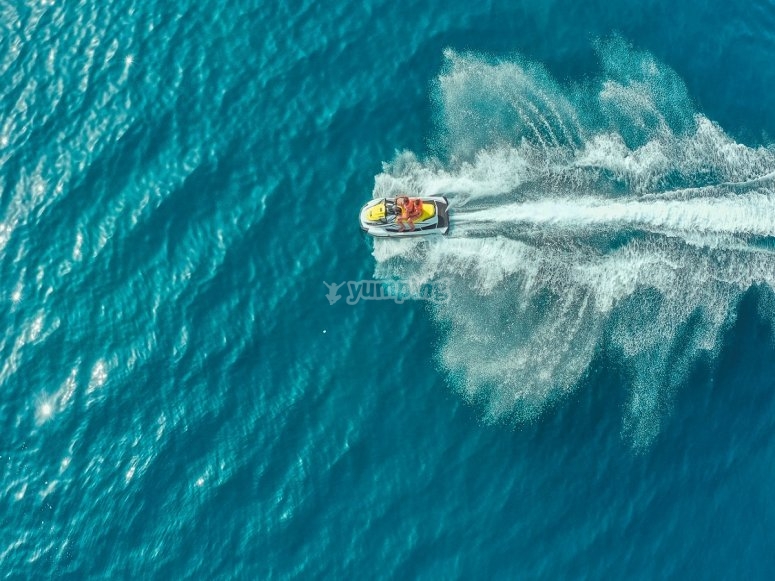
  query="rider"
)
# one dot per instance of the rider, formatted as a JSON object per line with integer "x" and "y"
{"x": 411, "y": 209}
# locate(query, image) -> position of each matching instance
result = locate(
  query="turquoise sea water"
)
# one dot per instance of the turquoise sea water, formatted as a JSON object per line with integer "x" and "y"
{"x": 594, "y": 400}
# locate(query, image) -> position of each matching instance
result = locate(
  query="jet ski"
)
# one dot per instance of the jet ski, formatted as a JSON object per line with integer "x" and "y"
{"x": 378, "y": 218}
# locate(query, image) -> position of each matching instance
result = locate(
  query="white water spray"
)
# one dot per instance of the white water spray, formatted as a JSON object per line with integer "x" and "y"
{"x": 610, "y": 214}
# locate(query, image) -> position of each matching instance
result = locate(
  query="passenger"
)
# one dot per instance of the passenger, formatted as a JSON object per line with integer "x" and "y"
{"x": 411, "y": 209}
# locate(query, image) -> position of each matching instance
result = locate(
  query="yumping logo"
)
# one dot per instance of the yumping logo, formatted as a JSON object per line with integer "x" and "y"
{"x": 333, "y": 292}
{"x": 389, "y": 290}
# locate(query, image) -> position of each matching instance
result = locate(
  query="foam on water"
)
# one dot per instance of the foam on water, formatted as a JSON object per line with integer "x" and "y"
{"x": 609, "y": 214}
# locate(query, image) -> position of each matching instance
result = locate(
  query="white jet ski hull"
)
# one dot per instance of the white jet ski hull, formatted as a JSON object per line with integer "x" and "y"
{"x": 378, "y": 218}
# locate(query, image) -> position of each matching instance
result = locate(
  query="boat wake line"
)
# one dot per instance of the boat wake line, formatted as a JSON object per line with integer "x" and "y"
{"x": 718, "y": 221}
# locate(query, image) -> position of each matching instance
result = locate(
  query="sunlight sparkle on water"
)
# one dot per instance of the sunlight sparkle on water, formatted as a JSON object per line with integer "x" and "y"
{"x": 44, "y": 411}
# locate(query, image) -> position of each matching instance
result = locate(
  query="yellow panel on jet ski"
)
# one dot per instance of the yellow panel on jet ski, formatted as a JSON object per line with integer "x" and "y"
{"x": 377, "y": 212}
{"x": 428, "y": 211}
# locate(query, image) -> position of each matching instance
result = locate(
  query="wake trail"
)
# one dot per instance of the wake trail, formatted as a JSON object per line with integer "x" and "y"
{"x": 603, "y": 217}
{"x": 750, "y": 214}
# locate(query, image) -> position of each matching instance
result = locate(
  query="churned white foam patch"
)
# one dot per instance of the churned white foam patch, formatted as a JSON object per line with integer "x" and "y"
{"x": 608, "y": 213}
{"x": 743, "y": 214}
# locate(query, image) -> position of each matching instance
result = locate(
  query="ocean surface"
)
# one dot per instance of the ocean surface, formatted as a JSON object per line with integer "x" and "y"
{"x": 589, "y": 395}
